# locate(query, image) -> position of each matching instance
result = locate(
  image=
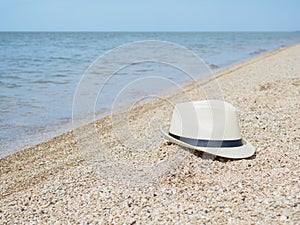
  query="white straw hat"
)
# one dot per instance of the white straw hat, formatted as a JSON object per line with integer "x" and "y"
{"x": 210, "y": 126}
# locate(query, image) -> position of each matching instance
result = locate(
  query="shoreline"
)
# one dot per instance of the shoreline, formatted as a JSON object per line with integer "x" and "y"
{"x": 56, "y": 177}
{"x": 58, "y": 81}
{"x": 51, "y": 133}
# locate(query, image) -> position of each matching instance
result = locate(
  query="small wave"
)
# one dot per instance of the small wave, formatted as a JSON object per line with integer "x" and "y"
{"x": 13, "y": 77}
{"x": 59, "y": 75}
{"x": 64, "y": 71}
{"x": 258, "y": 52}
{"x": 13, "y": 85}
{"x": 59, "y": 58}
{"x": 49, "y": 82}
{"x": 34, "y": 59}
{"x": 32, "y": 71}
{"x": 142, "y": 70}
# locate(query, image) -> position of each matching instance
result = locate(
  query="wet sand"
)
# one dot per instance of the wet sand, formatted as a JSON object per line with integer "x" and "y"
{"x": 88, "y": 175}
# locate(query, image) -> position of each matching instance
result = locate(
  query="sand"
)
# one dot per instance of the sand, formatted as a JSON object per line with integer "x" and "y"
{"x": 88, "y": 176}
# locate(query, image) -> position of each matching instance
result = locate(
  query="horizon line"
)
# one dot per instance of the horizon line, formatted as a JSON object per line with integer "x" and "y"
{"x": 133, "y": 31}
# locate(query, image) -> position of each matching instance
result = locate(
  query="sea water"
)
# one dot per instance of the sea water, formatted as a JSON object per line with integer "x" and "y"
{"x": 39, "y": 72}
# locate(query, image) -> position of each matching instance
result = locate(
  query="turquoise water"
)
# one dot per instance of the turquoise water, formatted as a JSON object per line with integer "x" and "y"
{"x": 39, "y": 72}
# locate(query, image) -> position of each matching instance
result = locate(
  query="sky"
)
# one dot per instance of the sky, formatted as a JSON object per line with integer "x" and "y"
{"x": 151, "y": 15}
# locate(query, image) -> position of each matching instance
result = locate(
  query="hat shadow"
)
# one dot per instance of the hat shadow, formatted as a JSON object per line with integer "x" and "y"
{"x": 205, "y": 155}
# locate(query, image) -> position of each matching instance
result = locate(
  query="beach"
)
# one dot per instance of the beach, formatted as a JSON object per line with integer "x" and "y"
{"x": 60, "y": 181}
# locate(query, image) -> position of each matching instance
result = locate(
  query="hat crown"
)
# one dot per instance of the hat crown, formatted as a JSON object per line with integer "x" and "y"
{"x": 209, "y": 120}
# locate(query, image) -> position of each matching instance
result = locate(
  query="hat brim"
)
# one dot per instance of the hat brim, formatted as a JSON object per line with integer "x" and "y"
{"x": 240, "y": 152}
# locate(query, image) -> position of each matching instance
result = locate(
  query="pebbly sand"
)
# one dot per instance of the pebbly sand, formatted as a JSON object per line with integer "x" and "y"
{"x": 87, "y": 176}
